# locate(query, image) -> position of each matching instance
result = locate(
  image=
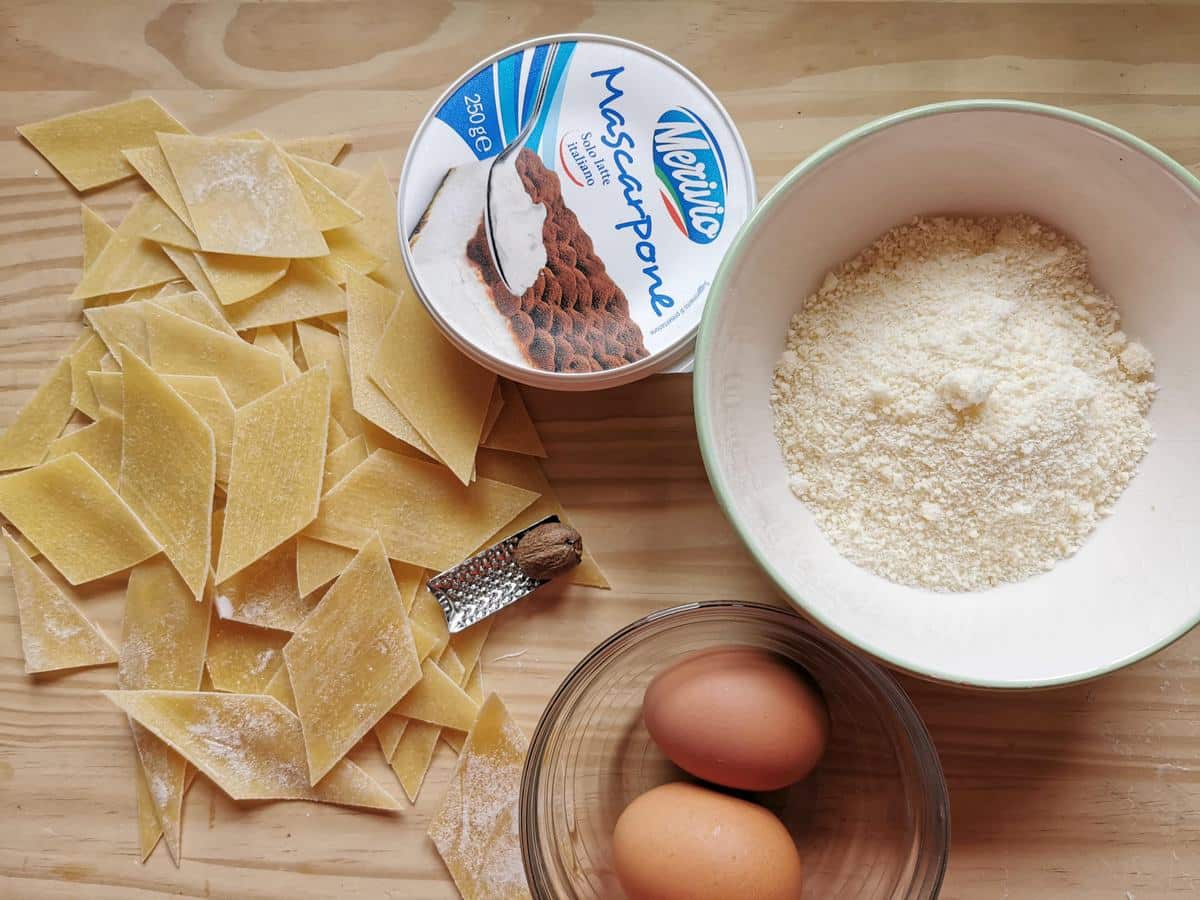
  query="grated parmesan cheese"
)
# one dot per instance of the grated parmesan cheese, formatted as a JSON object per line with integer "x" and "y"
{"x": 958, "y": 406}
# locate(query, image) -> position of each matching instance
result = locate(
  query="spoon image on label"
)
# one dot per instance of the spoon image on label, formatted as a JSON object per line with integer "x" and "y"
{"x": 506, "y": 248}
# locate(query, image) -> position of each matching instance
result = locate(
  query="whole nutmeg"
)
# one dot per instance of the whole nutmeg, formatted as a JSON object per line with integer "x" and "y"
{"x": 549, "y": 550}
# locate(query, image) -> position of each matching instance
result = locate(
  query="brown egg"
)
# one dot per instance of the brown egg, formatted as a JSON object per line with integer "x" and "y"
{"x": 738, "y": 717}
{"x": 684, "y": 842}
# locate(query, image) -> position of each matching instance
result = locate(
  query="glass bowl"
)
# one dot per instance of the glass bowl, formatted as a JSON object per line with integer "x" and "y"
{"x": 871, "y": 823}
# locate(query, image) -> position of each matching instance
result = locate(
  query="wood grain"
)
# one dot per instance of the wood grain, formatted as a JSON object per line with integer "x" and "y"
{"x": 1092, "y": 791}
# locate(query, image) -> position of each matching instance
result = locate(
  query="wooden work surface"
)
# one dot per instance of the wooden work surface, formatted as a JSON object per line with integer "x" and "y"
{"x": 1091, "y": 791}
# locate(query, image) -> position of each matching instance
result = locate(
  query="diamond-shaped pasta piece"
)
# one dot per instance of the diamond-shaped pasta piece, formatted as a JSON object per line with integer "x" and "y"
{"x": 27, "y": 548}
{"x": 125, "y": 324}
{"x": 378, "y": 230}
{"x": 468, "y": 645}
{"x": 185, "y": 261}
{"x": 170, "y": 289}
{"x": 86, "y": 358}
{"x": 368, "y": 307}
{"x": 477, "y": 829}
{"x": 25, "y": 442}
{"x": 324, "y": 148}
{"x": 428, "y": 641}
{"x": 413, "y": 754}
{"x": 474, "y": 688}
{"x": 495, "y": 406}
{"x": 85, "y": 147}
{"x": 128, "y": 261}
{"x": 347, "y": 255}
{"x": 55, "y": 634}
{"x": 438, "y": 700}
{"x": 342, "y": 460}
{"x": 280, "y": 687}
{"x": 319, "y": 562}
{"x": 165, "y": 772}
{"x": 320, "y": 346}
{"x": 286, "y": 332}
{"x": 514, "y": 429}
{"x": 96, "y": 234}
{"x": 152, "y": 220}
{"x": 303, "y": 293}
{"x": 237, "y": 278}
{"x": 75, "y": 518}
{"x": 197, "y": 307}
{"x": 265, "y": 593}
{"x": 351, "y": 660}
{"x": 241, "y": 197}
{"x": 342, "y": 182}
{"x": 121, "y": 325}
{"x": 165, "y": 631}
{"x": 337, "y": 437}
{"x": 424, "y": 515}
{"x": 120, "y": 297}
{"x": 243, "y": 658}
{"x": 151, "y": 164}
{"x": 168, "y": 470}
{"x": 273, "y": 495}
{"x": 179, "y": 346}
{"x": 202, "y": 392}
{"x": 149, "y": 828}
{"x": 268, "y": 339}
{"x": 99, "y": 444}
{"x": 388, "y": 732}
{"x": 163, "y": 645}
{"x": 328, "y": 209}
{"x": 428, "y": 616}
{"x": 409, "y": 580}
{"x": 251, "y": 745}
{"x": 444, "y": 394}
{"x": 430, "y": 637}
{"x": 449, "y": 663}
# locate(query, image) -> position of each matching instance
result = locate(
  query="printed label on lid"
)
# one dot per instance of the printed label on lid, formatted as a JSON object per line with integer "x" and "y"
{"x": 609, "y": 222}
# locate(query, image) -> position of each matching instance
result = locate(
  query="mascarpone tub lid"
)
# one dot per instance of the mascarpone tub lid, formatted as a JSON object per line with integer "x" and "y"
{"x": 611, "y": 220}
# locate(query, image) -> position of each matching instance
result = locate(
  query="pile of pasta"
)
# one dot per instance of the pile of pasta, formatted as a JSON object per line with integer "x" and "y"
{"x": 261, "y": 428}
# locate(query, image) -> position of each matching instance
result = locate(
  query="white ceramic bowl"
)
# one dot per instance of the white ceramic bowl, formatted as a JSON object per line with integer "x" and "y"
{"x": 1133, "y": 587}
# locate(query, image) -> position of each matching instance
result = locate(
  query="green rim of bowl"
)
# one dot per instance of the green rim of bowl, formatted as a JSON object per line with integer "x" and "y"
{"x": 704, "y": 347}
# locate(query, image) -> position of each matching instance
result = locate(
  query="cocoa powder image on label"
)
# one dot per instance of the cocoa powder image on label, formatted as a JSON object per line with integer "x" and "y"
{"x": 573, "y": 318}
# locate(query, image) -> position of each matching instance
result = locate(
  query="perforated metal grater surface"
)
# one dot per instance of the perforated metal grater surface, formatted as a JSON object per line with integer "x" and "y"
{"x": 485, "y": 583}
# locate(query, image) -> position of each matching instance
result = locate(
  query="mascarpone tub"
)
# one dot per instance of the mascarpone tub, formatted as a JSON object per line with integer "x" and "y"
{"x": 610, "y": 220}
